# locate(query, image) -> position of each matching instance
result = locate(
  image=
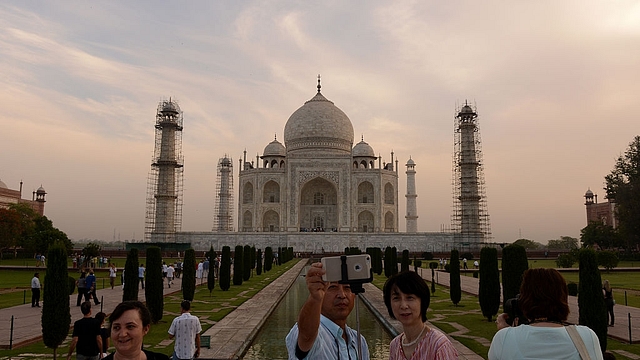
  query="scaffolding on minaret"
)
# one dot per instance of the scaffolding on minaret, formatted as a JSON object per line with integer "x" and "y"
{"x": 470, "y": 218}
{"x": 223, "y": 219}
{"x": 164, "y": 184}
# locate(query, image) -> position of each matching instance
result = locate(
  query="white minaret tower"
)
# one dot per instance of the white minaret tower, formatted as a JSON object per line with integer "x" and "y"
{"x": 412, "y": 210}
{"x": 164, "y": 186}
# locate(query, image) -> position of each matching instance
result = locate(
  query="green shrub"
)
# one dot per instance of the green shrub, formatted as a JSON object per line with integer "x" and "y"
{"x": 259, "y": 262}
{"x": 388, "y": 258}
{"x": 427, "y": 255}
{"x": 211, "y": 276}
{"x": 417, "y": 264}
{"x": 246, "y": 258}
{"x": 455, "y": 291}
{"x": 154, "y": 285}
{"x": 565, "y": 260}
{"x": 72, "y": 285}
{"x": 130, "y": 290}
{"x": 433, "y": 265}
{"x": 189, "y": 275}
{"x": 237, "y": 265}
{"x": 591, "y": 306}
{"x": 56, "y": 313}
{"x": 514, "y": 264}
{"x": 405, "y": 262}
{"x": 467, "y": 255}
{"x": 268, "y": 258}
{"x": 489, "y": 287}
{"x": 607, "y": 259}
{"x": 572, "y": 288}
{"x": 224, "y": 276}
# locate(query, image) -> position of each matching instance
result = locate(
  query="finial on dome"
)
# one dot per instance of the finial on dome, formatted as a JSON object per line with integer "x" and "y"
{"x": 319, "y": 84}
{"x": 275, "y": 137}
{"x": 362, "y": 139}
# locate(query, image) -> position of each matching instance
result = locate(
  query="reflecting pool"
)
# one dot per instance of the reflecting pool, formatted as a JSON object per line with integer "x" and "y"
{"x": 269, "y": 343}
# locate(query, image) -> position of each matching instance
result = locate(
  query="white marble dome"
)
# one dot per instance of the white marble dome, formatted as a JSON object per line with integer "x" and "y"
{"x": 318, "y": 124}
{"x": 274, "y": 148}
{"x": 362, "y": 149}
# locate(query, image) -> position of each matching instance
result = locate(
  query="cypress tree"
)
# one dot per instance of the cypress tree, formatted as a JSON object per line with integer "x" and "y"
{"x": 189, "y": 275}
{"x": 238, "y": 265}
{"x": 455, "y": 291}
{"x": 225, "y": 269}
{"x": 259, "y": 262}
{"x": 211, "y": 276}
{"x": 268, "y": 258}
{"x": 514, "y": 264}
{"x": 378, "y": 260}
{"x": 394, "y": 260}
{"x": 246, "y": 257}
{"x": 253, "y": 259}
{"x": 153, "y": 287}
{"x": 404, "y": 264}
{"x": 388, "y": 258}
{"x": 591, "y": 306}
{"x": 56, "y": 314}
{"x": 489, "y": 287}
{"x": 130, "y": 291}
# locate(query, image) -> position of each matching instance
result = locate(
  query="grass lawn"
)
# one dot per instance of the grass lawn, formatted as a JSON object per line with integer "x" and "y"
{"x": 210, "y": 308}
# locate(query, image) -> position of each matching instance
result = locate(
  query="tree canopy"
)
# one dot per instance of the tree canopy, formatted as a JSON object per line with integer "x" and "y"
{"x": 565, "y": 242}
{"x": 623, "y": 186}
{"x": 527, "y": 244}
{"x": 21, "y": 226}
{"x": 601, "y": 234}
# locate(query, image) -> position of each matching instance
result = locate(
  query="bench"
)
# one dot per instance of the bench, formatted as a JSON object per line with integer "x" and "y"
{"x": 205, "y": 341}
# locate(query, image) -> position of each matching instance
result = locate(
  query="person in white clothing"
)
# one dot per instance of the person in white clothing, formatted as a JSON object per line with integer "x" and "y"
{"x": 170, "y": 271}
{"x": 186, "y": 330}
{"x": 112, "y": 275}
{"x": 543, "y": 303}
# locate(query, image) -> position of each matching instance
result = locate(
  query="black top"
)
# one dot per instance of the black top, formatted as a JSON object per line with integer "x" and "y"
{"x": 86, "y": 329}
{"x": 105, "y": 334}
{"x": 150, "y": 356}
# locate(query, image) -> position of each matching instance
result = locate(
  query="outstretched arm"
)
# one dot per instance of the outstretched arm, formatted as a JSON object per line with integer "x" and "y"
{"x": 309, "y": 317}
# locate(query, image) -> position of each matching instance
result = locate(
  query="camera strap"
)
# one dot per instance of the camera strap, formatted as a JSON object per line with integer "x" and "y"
{"x": 577, "y": 341}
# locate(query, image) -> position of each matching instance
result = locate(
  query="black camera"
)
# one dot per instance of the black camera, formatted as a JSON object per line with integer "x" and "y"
{"x": 513, "y": 311}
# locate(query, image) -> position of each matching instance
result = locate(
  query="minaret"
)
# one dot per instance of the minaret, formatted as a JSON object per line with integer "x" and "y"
{"x": 412, "y": 212}
{"x": 223, "y": 221}
{"x": 470, "y": 218}
{"x": 164, "y": 186}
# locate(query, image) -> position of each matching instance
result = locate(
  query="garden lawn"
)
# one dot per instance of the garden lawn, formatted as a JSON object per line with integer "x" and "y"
{"x": 210, "y": 308}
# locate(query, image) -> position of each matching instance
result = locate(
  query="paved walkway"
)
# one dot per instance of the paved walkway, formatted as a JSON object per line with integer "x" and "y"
{"x": 627, "y": 317}
{"x": 27, "y": 327}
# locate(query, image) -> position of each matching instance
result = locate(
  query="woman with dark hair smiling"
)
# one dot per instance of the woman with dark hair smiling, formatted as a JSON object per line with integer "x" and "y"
{"x": 130, "y": 322}
{"x": 543, "y": 302}
{"x": 407, "y": 297}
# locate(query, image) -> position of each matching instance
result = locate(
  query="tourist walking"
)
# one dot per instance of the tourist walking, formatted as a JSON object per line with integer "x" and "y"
{"x": 86, "y": 336}
{"x": 105, "y": 333}
{"x": 609, "y": 301}
{"x": 35, "y": 290}
{"x": 90, "y": 283}
{"x": 170, "y": 272}
{"x": 112, "y": 275}
{"x": 141, "y": 270}
{"x": 81, "y": 283}
{"x": 186, "y": 330}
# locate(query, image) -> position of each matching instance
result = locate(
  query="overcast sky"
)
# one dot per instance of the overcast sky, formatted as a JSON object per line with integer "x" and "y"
{"x": 555, "y": 83}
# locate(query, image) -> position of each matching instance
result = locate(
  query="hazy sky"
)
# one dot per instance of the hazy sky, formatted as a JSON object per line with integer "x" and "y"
{"x": 556, "y": 85}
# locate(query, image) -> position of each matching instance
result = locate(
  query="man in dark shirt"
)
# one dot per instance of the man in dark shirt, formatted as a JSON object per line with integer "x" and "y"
{"x": 90, "y": 284}
{"x": 86, "y": 336}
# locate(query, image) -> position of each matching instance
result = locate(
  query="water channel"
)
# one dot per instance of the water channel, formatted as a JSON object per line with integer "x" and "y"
{"x": 269, "y": 343}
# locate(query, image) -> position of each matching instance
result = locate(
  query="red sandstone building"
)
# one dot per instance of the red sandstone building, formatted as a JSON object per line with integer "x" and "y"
{"x": 604, "y": 212}
{"x": 9, "y": 196}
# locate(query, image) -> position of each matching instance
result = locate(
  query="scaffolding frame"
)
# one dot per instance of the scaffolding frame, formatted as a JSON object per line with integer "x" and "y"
{"x": 470, "y": 216}
{"x": 223, "y": 218}
{"x": 163, "y": 215}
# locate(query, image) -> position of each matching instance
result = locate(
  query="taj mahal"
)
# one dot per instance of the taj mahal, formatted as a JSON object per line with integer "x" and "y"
{"x": 316, "y": 193}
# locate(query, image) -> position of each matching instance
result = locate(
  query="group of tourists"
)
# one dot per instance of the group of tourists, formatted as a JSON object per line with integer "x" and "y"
{"x": 321, "y": 331}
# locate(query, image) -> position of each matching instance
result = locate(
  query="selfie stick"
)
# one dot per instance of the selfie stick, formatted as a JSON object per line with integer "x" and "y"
{"x": 356, "y": 288}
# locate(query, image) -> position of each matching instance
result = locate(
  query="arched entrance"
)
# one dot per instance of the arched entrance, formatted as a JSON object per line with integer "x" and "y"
{"x": 318, "y": 206}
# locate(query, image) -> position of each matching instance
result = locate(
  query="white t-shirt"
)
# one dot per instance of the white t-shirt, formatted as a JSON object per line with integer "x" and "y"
{"x": 170, "y": 272}
{"x": 112, "y": 272}
{"x": 535, "y": 342}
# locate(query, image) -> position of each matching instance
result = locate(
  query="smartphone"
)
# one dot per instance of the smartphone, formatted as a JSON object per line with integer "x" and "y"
{"x": 358, "y": 268}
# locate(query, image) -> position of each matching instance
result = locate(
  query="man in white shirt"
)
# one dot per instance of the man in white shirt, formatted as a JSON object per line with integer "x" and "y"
{"x": 186, "y": 330}
{"x": 112, "y": 275}
{"x": 170, "y": 271}
{"x": 35, "y": 290}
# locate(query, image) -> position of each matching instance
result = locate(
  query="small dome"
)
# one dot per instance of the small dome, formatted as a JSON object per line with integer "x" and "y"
{"x": 411, "y": 162}
{"x": 362, "y": 149}
{"x": 588, "y": 193}
{"x": 3, "y": 185}
{"x": 274, "y": 148}
{"x": 40, "y": 190}
{"x": 170, "y": 107}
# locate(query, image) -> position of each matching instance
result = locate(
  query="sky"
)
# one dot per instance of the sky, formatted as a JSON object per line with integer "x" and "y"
{"x": 554, "y": 83}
